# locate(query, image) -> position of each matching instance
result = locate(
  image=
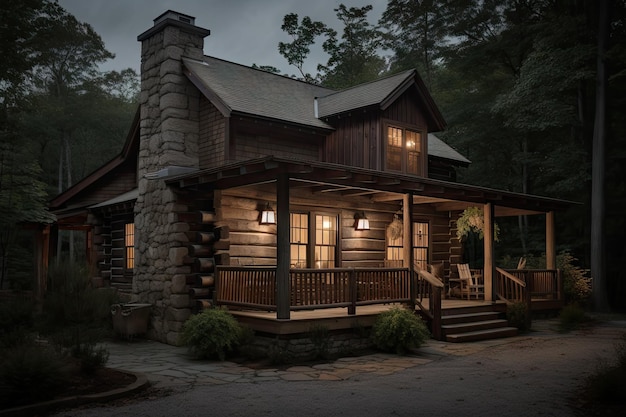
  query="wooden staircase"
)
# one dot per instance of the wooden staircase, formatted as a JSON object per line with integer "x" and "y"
{"x": 470, "y": 324}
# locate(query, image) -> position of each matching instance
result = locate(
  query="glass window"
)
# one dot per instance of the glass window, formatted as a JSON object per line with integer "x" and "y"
{"x": 403, "y": 150}
{"x": 420, "y": 244}
{"x": 129, "y": 243}
{"x": 325, "y": 241}
{"x": 299, "y": 238}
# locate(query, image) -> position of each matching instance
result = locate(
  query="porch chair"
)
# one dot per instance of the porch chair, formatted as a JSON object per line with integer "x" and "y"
{"x": 470, "y": 286}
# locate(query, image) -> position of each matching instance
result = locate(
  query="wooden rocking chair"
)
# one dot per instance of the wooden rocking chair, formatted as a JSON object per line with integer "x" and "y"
{"x": 470, "y": 287}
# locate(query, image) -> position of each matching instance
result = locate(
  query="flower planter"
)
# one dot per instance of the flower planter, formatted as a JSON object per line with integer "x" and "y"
{"x": 130, "y": 319}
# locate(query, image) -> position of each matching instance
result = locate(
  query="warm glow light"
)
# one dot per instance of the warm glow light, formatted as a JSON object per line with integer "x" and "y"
{"x": 326, "y": 224}
{"x": 268, "y": 216}
{"x": 361, "y": 222}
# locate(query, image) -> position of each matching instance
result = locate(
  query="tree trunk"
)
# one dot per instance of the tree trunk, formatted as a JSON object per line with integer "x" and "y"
{"x": 600, "y": 299}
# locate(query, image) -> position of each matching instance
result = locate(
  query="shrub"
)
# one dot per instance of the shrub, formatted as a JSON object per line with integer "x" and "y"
{"x": 211, "y": 333}
{"x": 571, "y": 317}
{"x": 16, "y": 321}
{"x": 517, "y": 315}
{"x": 30, "y": 374}
{"x": 319, "y": 336}
{"x": 76, "y": 315}
{"x": 398, "y": 330}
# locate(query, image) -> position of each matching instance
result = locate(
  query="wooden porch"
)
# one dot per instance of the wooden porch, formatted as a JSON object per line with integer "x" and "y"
{"x": 345, "y": 298}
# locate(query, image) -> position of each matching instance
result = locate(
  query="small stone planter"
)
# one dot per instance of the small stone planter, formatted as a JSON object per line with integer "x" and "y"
{"x": 130, "y": 319}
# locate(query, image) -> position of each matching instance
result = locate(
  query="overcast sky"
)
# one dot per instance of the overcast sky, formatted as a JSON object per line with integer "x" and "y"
{"x": 242, "y": 31}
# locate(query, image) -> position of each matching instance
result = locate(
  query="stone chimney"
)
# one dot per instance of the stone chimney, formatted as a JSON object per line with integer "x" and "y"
{"x": 168, "y": 144}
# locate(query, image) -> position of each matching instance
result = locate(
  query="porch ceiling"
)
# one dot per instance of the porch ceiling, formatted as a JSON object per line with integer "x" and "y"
{"x": 346, "y": 181}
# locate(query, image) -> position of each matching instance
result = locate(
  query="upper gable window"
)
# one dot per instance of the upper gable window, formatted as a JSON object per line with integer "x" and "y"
{"x": 404, "y": 150}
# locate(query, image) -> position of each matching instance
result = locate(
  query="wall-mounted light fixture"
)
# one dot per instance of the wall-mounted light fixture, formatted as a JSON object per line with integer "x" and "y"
{"x": 268, "y": 215}
{"x": 360, "y": 221}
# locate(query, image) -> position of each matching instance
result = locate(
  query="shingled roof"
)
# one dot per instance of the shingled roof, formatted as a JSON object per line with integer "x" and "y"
{"x": 235, "y": 88}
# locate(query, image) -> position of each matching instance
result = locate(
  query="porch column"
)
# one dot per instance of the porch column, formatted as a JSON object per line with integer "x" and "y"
{"x": 282, "y": 247}
{"x": 407, "y": 232}
{"x": 550, "y": 241}
{"x": 488, "y": 242}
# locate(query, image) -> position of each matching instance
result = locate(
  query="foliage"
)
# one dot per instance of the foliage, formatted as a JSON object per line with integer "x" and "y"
{"x": 16, "y": 321}
{"x": 303, "y": 35}
{"x": 320, "y": 338}
{"x": 398, "y": 330}
{"x": 472, "y": 219}
{"x": 76, "y": 315}
{"x": 517, "y": 315}
{"x": 211, "y": 333}
{"x": 571, "y": 317}
{"x": 607, "y": 384}
{"x": 30, "y": 374}
{"x": 279, "y": 355}
{"x": 576, "y": 284}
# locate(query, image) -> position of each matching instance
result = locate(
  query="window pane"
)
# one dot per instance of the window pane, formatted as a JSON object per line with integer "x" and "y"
{"x": 129, "y": 243}
{"x": 420, "y": 244}
{"x": 413, "y": 147}
{"x": 299, "y": 237}
{"x": 326, "y": 241}
{"x": 394, "y": 149}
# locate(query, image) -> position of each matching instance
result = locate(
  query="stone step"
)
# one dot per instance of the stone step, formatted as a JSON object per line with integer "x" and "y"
{"x": 482, "y": 335}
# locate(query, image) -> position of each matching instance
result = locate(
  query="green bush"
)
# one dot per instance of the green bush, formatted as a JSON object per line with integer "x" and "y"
{"x": 320, "y": 338}
{"x": 30, "y": 374}
{"x": 211, "y": 333}
{"x": 76, "y": 315}
{"x": 16, "y": 321}
{"x": 517, "y": 315}
{"x": 571, "y": 317}
{"x": 398, "y": 330}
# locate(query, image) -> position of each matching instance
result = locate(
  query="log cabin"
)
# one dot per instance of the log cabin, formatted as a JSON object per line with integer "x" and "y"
{"x": 287, "y": 202}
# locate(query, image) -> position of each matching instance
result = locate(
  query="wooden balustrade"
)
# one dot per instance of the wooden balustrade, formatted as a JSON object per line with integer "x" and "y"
{"x": 255, "y": 287}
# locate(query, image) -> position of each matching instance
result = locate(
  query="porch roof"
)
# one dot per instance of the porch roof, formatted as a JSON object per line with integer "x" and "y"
{"x": 379, "y": 186}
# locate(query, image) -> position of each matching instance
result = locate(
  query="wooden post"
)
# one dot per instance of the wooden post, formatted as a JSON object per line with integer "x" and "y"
{"x": 435, "y": 308}
{"x": 488, "y": 245}
{"x": 550, "y": 241}
{"x": 42, "y": 249}
{"x": 353, "y": 292}
{"x": 407, "y": 223}
{"x": 283, "y": 289}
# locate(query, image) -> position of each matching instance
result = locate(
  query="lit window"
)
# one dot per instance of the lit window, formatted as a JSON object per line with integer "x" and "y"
{"x": 317, "y": 240}
{"x": 299, "y": 239}
{"x": 129, "y": 243}
{"x": 403, "y": 150}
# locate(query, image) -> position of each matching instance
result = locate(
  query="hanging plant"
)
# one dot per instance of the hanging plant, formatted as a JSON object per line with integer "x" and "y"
{"x": 472, "y": 220}
{"x": 395, "y": 229}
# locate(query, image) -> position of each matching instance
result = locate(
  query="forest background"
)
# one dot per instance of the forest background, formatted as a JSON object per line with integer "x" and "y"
{"x": 533, "y": 92}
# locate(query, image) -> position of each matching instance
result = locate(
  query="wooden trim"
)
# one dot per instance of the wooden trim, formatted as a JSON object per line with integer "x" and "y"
{"x": 488, "y": 254}
{"x": 283, "y": 253}
{"x": 550, "y": 241}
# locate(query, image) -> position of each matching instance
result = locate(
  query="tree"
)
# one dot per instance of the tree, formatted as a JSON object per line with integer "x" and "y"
{"x": 303, "y": 35}
{"x": 354, "y": 59}
{"x": 416, "y": 33}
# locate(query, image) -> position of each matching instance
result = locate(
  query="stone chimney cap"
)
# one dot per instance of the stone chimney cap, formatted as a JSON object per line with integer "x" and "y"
{"x": 173, "y": 18}
{"x": 171, "y": 14}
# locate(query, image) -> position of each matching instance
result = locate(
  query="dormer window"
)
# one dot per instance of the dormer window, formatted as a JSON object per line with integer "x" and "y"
{"x": 404, "y": 150}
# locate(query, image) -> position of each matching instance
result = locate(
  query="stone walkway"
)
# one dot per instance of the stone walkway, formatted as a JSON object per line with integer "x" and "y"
{"x": 169, "y": 366}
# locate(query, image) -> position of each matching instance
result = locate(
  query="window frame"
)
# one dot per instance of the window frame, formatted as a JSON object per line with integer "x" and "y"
{"x": 312, "y": 244}
{"x": 422, "y": 158}
{"x": 129, "y": 249}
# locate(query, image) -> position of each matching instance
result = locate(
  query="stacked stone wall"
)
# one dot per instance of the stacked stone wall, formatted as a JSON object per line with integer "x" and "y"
{"x": 168, "y": 137}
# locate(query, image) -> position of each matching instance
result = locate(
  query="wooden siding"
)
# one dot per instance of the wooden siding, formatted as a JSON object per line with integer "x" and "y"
{"x": 248, "y": 146}
{"x": 211, "y": 144}
{"x": 355, "y": 141}
{"x": 408, "y": 111}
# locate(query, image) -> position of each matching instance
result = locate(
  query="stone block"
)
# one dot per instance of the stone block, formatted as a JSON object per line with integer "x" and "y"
{"x": 173, "y": 100}
{"x": 179, "y": 284}
{"x": 177, "y": 255}
{"x": 180, "y": 300}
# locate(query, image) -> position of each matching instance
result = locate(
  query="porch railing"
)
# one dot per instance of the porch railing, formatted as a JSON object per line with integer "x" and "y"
{"x": 255, "y": 287}
{"x": 431, "y": 288}
{"x": 540, "y": 284}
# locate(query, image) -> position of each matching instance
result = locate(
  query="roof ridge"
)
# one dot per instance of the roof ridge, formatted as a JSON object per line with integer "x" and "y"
{"x": 369, "y": 82}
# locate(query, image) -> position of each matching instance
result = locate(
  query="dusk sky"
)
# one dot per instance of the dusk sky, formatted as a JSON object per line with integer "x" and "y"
{"x": 242, "y": 31}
